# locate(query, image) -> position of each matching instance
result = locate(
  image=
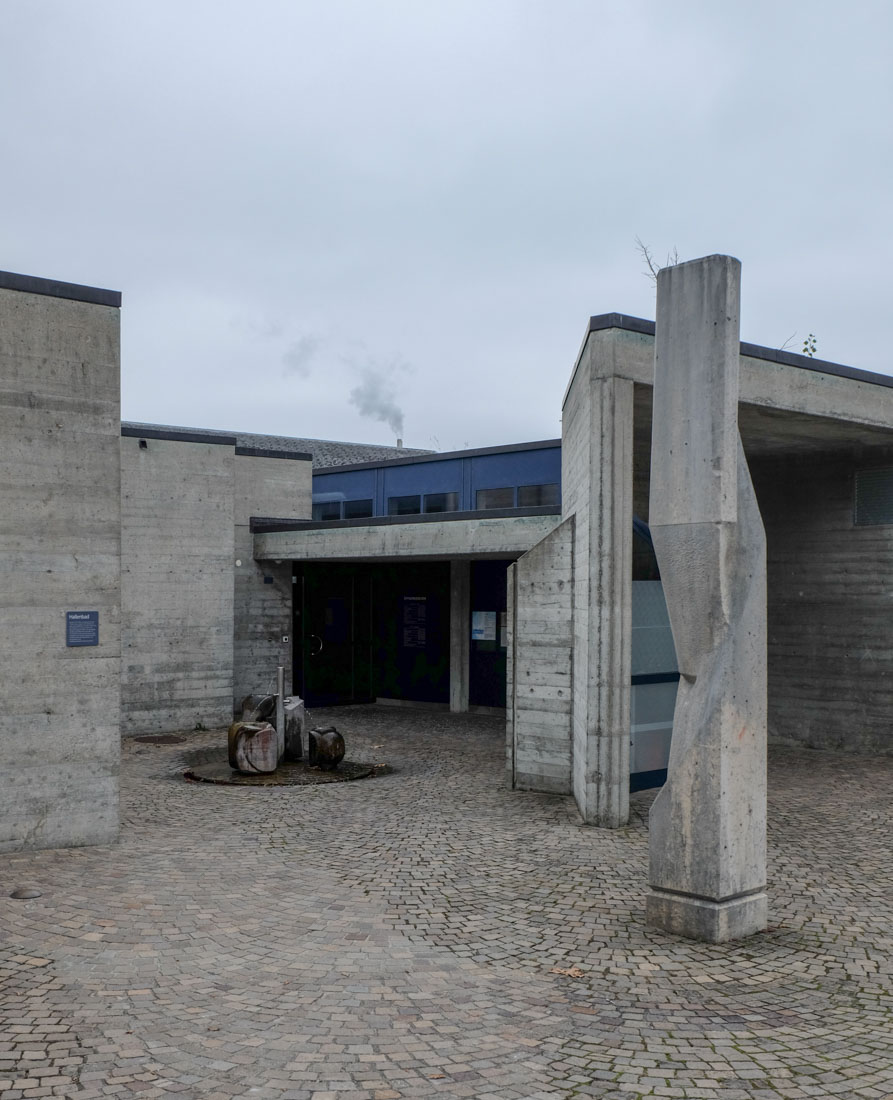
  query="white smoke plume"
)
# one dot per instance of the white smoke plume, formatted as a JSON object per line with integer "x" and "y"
{"x": 375, "y": 397}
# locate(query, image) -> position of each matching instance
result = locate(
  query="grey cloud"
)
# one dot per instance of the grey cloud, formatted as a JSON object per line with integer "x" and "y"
{"x": 456, "y": 180}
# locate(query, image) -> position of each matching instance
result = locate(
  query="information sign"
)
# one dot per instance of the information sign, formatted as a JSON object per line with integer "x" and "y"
{"x": 483, "y": 626}
{"x": 81, "y": 628}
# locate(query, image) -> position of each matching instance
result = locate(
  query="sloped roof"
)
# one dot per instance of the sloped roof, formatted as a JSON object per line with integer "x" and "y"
{"x": 325, "y": 452}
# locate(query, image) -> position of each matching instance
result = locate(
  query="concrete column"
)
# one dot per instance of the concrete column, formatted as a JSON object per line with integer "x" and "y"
{"x": 707, "y": 836}
{"x": 460, "y": 633}
{"x": 602, "y": 662}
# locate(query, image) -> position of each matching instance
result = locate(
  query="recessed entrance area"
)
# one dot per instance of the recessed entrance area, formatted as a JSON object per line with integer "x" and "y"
{"x": 366, "y": 631}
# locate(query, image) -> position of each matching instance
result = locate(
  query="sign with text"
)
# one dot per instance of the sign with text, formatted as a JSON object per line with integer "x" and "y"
{"x": 415, "y": 617}
{"x": 483, "y": 626}
{"x": 81, "y": 628}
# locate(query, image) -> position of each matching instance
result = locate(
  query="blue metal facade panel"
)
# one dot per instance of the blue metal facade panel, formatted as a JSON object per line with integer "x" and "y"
{"x": 423, "y": 477}
{"x": 515, "y": 468}
{"x": 464, "y": 476}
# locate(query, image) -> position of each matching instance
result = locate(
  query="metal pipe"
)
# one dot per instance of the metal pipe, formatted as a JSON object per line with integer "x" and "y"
{"x": 280, "y": 709}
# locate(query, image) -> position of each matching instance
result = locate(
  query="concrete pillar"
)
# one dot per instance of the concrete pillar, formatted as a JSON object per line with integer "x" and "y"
{"x": 599, "y": 432}
{"x": 460, "y": 633}
{"x": 707, "y": 837}
{"x": 610, "y": 602}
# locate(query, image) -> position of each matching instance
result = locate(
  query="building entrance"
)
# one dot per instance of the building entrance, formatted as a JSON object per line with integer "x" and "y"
{"x": 364, "y": 632}
{"x": 333, "y": 633}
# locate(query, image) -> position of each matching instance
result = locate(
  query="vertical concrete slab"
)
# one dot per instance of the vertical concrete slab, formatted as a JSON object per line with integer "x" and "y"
{"x": 540, "y": 664}
{"x": 460, "y": 634}
{"x": 597, "y": 488}
{"x": 60, "y": 505}
{"x": 707, "y": 837}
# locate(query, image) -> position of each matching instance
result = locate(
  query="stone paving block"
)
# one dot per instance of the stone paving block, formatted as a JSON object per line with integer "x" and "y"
{"x": 218, "y": 953}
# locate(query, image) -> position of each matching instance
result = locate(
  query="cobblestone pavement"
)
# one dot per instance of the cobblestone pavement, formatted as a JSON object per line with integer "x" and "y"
{"x": 431, "y": 934}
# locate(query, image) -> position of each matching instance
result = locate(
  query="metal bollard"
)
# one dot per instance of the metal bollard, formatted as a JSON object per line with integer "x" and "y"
{"x": 280, "y": 710}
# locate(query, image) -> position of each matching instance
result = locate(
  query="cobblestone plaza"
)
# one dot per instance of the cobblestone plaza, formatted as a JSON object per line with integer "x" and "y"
{"x": 429, "y": 933}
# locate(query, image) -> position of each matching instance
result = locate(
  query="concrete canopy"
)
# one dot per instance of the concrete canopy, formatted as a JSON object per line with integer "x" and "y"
{"x": 473, "y": 537}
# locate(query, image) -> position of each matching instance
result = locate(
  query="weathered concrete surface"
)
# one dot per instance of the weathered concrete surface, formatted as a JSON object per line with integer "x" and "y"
{"x": 708, "y": 824}
{"x": 60, "y": 515}
{"x": 262, "y": 598}
{"x": 177, "y": 586}
{"x": 475, "y": 538}
{"x": 539, "y": 655}
{"x": 460, "y": 941}
{"x": 596, "y": 479}
{"x": 830, "y": 639}
{"x": 768, "y": 386}
{"x": 830, "y": 650}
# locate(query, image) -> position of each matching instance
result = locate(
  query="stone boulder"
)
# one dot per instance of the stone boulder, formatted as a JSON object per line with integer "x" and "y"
{"x": 326, "y": 748}
{"x": 253, "y": 748}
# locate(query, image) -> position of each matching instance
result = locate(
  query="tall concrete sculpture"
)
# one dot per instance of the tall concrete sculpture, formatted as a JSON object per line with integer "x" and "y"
{"x": 708, "y": 824}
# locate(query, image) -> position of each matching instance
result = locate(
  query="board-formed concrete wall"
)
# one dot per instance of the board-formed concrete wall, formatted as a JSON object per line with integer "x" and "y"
{"x": 540, "y": 664}
{"x": 59, "y": 552}
{"x": 830, "y": 605}
{"x": 177, "y": 584}
{"x": 597, "y": 489}
{"x": 576, "y": 470}
{"x": 264, "y": 486}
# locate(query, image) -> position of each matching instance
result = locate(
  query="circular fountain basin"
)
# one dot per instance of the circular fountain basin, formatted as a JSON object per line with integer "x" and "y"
{"x": 210, "y": 766}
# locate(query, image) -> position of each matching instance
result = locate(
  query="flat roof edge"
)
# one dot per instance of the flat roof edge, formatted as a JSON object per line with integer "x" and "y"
{"x": 753, "y": 351}
{"x": 54, "y": 288}
{"x": 440, "y": 456}
{"x": 263, "y": 452}
{"x": 177, "y": 437}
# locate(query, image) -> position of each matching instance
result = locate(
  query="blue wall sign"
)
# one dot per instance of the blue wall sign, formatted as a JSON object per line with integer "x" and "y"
{"x": 82, "y": 628}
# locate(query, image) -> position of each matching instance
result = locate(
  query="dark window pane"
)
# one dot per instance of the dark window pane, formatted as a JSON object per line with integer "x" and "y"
{"x": 495, "y": 498}
{"x": 537, "y": 496}
{"x": 442, "y": 502}
{"x": 404, "y": 506}
{"x": 357, "y": 509}
{"x": 644, "y": 559}
{"x": 329, "y": 509}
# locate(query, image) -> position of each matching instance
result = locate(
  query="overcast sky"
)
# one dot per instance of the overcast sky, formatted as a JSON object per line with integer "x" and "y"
{"x": 323, "y": 213}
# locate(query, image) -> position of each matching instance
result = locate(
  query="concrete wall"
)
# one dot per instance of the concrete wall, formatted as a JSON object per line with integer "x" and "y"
{"x": 830, "y": 605}
{"x": 263, "y": 608}
{"x": 59, "y": 552}
{"x": 539, "y": 678}
{"x": 177, "y": 585}
{"x": 597, "y": 480}
{"x": 576, "y": 471}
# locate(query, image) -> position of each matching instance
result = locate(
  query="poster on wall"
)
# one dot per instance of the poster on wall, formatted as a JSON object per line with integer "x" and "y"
{"x": 483, "y": 626}
{"x": 415, "y": 618}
